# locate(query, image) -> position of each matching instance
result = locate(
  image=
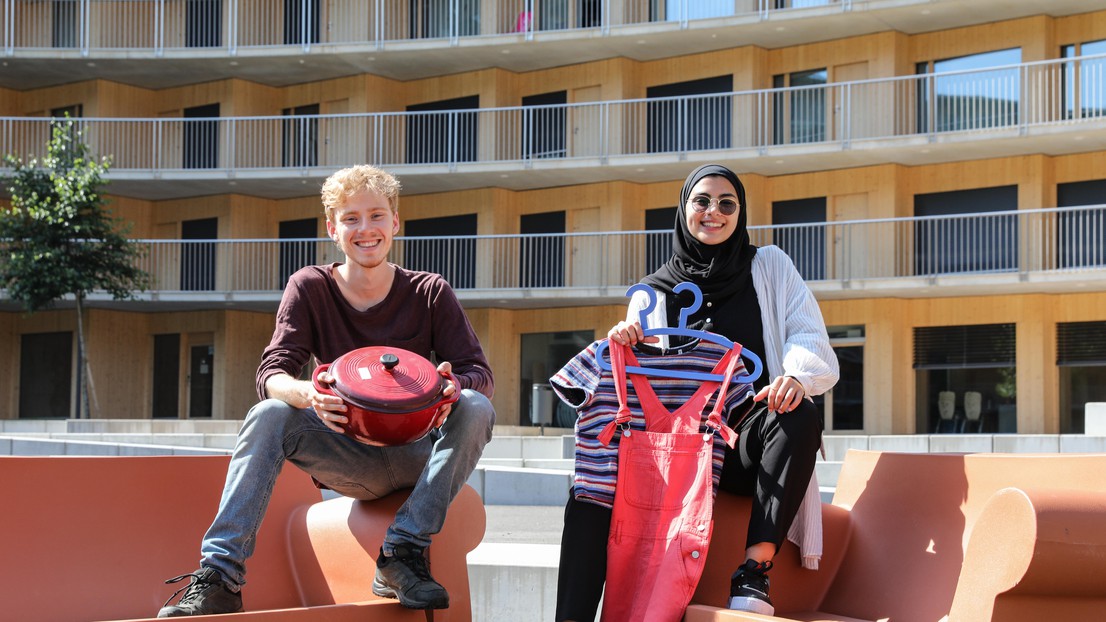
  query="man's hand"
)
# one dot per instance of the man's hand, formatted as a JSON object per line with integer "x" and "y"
{"x": 784, "y": 394}
{"x": 329, "y": 408}
{"x": 445, "y": 369}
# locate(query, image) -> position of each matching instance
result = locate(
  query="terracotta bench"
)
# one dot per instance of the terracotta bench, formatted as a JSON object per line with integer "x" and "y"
{"x": 94, "y": 538}
{"x": 917, "y": 537}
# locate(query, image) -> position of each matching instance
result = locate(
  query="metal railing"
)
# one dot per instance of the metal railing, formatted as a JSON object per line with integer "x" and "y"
{"x": 1013, "y": 97}
{"x": 154, "y": 26}
{"x": 1041, "y": 241}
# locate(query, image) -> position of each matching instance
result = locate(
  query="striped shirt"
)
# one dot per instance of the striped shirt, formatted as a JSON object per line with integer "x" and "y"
{"x": 583, "y": 385}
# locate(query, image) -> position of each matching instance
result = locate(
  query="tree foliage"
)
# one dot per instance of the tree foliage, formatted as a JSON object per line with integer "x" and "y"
{"x": 59, "y": 238}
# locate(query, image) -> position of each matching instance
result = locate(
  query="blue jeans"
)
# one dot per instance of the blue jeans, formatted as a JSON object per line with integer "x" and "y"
{"x": 436, "y": 467}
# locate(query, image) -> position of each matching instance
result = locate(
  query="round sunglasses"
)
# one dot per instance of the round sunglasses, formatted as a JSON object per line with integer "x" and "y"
{"x": 702, "y": 203}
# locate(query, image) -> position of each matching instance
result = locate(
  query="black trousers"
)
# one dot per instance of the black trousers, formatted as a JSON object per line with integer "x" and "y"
{"x": 772, "y": 463}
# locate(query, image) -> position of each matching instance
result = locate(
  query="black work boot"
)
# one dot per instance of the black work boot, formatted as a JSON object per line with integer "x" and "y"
{"x": 206, "y": 594}
{"x": 749, "y": 588}
{"x": 405, "y": 575}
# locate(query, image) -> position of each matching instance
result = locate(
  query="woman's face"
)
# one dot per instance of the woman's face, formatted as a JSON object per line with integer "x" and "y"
{"x": 712, "y": 226}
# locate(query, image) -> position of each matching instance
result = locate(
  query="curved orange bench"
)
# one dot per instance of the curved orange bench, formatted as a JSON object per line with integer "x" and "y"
{"x": 94, "y": 538}
{"x": 917, "y": 537}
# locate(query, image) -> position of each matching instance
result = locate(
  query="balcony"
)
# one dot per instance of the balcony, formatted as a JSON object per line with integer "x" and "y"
{"x": 130, "y": 40}
{"x": 1050, "y": 107}
{"x": 1022, "y": 251}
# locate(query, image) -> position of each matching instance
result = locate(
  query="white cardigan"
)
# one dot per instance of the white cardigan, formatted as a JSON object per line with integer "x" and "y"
{"x": 796, "y": 345}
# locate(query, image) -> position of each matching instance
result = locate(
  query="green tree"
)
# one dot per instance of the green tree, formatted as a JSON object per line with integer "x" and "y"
{"x": 59, "y": 241}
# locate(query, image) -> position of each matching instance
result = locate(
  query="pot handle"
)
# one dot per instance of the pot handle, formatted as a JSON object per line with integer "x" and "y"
{"x": 319, "y": 386}
{"x": 456, "y": 390}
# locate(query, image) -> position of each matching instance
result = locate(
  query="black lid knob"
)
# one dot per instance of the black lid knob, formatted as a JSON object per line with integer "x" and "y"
{"x": 389, "y": 361}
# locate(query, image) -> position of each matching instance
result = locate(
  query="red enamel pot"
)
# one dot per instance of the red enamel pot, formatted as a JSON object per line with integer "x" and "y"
{"x": 392, "y": 395}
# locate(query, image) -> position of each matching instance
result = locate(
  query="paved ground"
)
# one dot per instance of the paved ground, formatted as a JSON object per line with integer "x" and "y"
{"x": 529, "y": 524}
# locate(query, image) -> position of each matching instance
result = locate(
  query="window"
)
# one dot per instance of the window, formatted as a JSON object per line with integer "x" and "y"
{"x": 806, "y": 245}
{"x": 301, "y": 21}
{"x": 67, "y": 18}
{"x": 1081, "y": 357}
{"x": 799, "y": 108}
{"x": 439, "y": 19}
{"x": 1084, "y": 90}
{"x": 843, "y": 405}
{"x": 441, "y": 132}
{"x": 203, "y": 23}
{"x": 686, "y": 117}
{"x": 1081, "y": 234}
{"x": 974, "y": 367}
{"x": 450, "y": 249}
{"x": 300, "y": 147}
{"x": 543, "y": 125}
{"x": 541, "y": 261}
{"x": 542, "y": 355}
{"x": 699, "y": 9}
{"x": 658, "y": 246}
{"x": 197, "y": 260}
{"x": 969, "y": 240}
{"x": 299, "y": 249}
{"x": 201, "y": 137}
{"x": 166, "y": 376}
{"x": 971, "y": 95}
{"x": 46, "y": 375}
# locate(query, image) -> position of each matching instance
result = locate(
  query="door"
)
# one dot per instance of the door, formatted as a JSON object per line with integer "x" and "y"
{"x": 166, "y": 376}
{"x": 46, "y": 375}
{"x": 854, "y": 99}
{"x": 586, "y": 123}
{"x": 201, "y": 138}
{"x": 297, "y": 254}
{"x": 588, "y": 265}
{"x": 200, "y": 374}
{"x": 197, "y": 265}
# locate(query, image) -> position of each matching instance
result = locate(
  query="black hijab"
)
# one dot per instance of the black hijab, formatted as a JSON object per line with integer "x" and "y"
{"x": 720, "y": 270}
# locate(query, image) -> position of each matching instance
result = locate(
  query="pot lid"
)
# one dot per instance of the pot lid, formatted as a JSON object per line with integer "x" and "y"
{"x": 386, "y": 379}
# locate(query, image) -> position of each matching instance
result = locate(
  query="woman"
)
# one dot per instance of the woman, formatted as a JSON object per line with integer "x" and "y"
{"x": 756, "y": 297}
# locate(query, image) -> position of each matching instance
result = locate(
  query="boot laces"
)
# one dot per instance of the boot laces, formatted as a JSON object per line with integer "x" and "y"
{"x": 192, "y": 591}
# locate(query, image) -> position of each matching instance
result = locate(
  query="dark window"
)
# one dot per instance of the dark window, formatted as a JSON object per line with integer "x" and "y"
{"x": 589, "y": 13}
{"x": 45, "y": 375}
{"x": 437, "y": 19}
{"x": 972, "y": 95}
{"x": 301, "y": 21}
{"x": 442, "y": 132}
{"x": 543, "y": 125}
{"x": 974, "y": 367}
{"x": 76, "y": 111}
{"x": 971, "y": 240}
{"x": 799, "y": 108}
{"x": 197, "y": 259}
{"x": 1081, "y": 234}
{"x": 1082, "y": 91}
{"x": 203, "y": 23}
{"x": 300, "y": 252}
{"x": 679, "y": 121}
{"x": 201, "y": 372}
{"x": 658, "y": 246}
{"x": 806, "y": 245}
{"x": 201, "y": 137}
{"x": 1081, "y": 357}
{"x": 67, "y": 18}
{"x": 301, "y": 136}
{"x": 166, "y": 375}
{"x": 542, "y": 258}
{"x": 542, "y": 355}
{"x": 450, "y": 251}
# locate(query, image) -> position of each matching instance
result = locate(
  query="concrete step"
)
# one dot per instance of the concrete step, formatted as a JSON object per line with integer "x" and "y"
{"x": 36, "y": 446}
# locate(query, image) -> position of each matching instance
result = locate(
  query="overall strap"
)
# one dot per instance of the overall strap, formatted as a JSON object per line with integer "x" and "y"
{"x": 618, "y": 371}
{"x": 714, "y": 420}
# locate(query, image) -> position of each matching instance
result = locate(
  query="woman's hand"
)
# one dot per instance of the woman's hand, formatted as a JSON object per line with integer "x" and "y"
{"x": 329, "y": 408}
{"x": 629, "y": 333}
{"x": 784, "y": 394}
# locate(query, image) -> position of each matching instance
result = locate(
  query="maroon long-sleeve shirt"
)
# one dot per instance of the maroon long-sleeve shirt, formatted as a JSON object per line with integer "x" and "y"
{"x": 421, "y": 314}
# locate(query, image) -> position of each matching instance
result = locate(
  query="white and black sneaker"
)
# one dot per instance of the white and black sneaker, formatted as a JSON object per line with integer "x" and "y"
{"x": 749, "y": 588}
{"x": 405, "y": 575}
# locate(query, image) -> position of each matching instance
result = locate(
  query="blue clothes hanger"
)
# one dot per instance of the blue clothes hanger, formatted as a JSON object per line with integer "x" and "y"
{"x": 683, "y": 331}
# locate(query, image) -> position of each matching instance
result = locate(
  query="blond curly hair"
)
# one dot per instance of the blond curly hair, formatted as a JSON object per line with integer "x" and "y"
{"x": 342, "y": 185}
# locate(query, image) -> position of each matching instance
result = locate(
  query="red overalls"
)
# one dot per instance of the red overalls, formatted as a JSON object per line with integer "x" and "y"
{"x": 664, "y": 501}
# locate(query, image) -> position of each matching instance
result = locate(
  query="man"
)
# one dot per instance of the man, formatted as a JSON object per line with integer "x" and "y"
{"x": 325, "y": 312}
